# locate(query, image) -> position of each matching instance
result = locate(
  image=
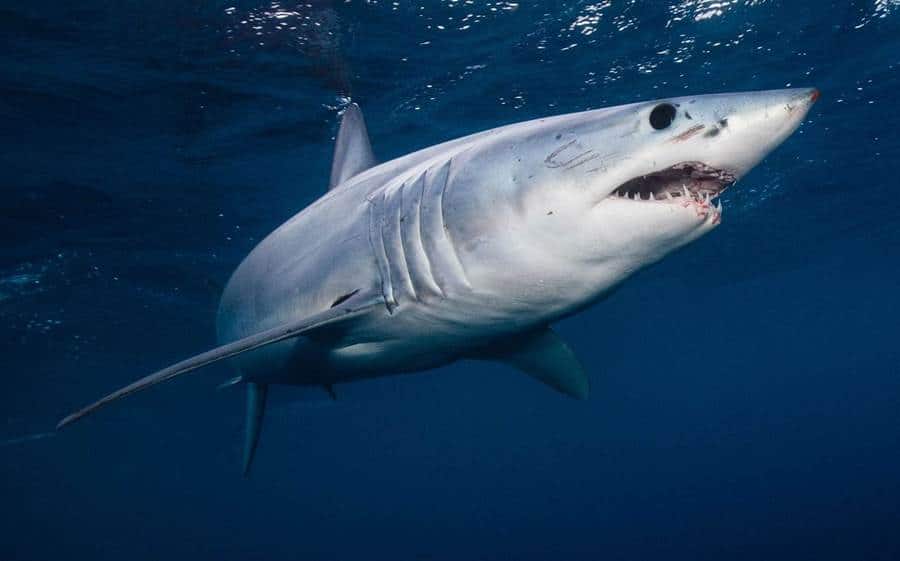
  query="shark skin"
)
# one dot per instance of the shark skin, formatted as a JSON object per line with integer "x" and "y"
{"x": 472, "y": 248}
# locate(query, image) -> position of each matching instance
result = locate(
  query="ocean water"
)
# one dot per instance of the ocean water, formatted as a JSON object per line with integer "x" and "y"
{"x": 745, "y": 391}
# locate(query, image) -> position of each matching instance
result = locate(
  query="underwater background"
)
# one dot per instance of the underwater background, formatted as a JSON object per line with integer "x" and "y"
{"x": 745, "y": 391}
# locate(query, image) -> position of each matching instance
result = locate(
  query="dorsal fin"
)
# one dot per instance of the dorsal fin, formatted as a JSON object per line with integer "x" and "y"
{"x": 352, "y": 151}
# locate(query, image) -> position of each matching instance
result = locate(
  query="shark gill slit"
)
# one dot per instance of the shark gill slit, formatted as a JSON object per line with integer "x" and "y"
{"x": 444, "y": 231}
{"x": 445, "y": 270}
{"x": 377, "y": 243}
{"x": 391, "y": 290}
{"x": 418, "y": 263}
{"x": 430, "y": 266}
{"x": 393, "y": 244}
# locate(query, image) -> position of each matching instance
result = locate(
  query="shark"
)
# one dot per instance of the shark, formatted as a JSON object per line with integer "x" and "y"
{"x": 475, "y": 247}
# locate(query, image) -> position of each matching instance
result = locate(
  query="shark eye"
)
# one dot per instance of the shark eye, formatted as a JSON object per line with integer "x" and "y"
{"x": 662, "y": 116}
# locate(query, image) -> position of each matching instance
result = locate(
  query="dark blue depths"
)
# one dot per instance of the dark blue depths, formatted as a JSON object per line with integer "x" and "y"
{"x": 746, "y": 396}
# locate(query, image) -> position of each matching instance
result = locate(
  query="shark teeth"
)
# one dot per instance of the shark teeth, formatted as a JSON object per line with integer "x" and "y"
{"x": 706, "y": 197}
{"x": 701, "y": 196}
{"x": 689, "y": 182}
{"x": 708, "y": 200}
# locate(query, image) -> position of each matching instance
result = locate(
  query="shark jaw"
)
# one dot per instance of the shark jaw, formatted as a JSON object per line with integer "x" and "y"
{"x": 693, "y": 185}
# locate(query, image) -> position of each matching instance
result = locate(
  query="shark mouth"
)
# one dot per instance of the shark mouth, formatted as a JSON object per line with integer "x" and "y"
{"x": 685, "y": 182}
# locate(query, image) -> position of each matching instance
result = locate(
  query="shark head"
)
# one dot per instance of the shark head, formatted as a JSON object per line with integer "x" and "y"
{"x": 595, "y": 196}
{"x": 659, "y": 185}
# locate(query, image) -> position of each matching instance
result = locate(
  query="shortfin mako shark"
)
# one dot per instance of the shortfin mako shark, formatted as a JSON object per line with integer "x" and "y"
{"x": 472, "y": 248}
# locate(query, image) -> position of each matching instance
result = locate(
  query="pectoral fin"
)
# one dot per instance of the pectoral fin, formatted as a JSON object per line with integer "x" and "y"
{"x": 348, "y": 309}
{"x": 543, "y": 355}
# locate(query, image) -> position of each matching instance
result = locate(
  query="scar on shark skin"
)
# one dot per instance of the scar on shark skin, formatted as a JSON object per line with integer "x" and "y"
{"x": 593, "y": 156}
{"x": 573, "y": 162}
{"x": 687, "y": 134}
{"x": 605, "y": 161}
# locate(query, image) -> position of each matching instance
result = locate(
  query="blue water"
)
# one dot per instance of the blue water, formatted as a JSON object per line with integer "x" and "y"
{"x": 746, "y": 391}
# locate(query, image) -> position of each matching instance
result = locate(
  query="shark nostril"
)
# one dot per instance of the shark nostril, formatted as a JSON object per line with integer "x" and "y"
{"x": 814, "y": 95}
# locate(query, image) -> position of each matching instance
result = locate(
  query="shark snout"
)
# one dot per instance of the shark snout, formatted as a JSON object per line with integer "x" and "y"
{"x": 803, "y": 100}
{"x": 786, "y": 115}
{"x": 757, "y": 123}
{"x": 775, "y": 112}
